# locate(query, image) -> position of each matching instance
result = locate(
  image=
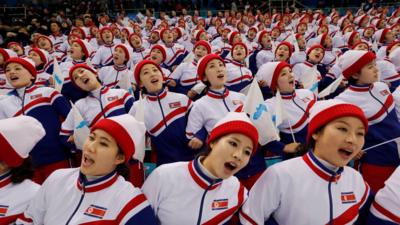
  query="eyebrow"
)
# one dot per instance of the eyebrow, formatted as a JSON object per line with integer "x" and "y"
{"x": 341, "y": 121}
{"x": 105, "y": 139}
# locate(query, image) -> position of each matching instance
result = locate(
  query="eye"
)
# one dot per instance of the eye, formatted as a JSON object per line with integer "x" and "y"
{"x": 361, "y": 134}
{"x": 343, "y": 129}
{"x": 247, "y": 152}
{"x": 103, "y": 144}
{"x": 232, "y": 143}
{"x": 91, "y": 138}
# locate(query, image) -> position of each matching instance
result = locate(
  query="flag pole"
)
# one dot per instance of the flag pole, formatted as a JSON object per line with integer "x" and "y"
{"x": 380, "y": 144}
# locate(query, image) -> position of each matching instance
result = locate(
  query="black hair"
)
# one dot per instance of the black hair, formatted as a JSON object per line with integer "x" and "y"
{"x": 122, "y": 169}
{"x": 22, "y": 172}
{"x": 303, "y": 149}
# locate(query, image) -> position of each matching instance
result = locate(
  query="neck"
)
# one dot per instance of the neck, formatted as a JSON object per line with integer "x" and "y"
{"x": 327, "y": 164}
{"x": 206, "y": 167}
{"x": 218, "y": 88}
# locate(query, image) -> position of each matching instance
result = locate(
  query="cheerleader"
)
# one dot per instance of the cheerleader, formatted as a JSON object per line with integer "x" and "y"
{"x": 5, "y": 54}
{"x": 44, "y": 104}
{"x": 16, "y": 188}
{"x": 165, "y": 115}
{"x": 97, "y": 191}
{"x": 239, "y": 76}
{"x": 41, "y": 59}
{"x": 375, "y": 99}
{"x": 335, "y": 193}
{"x": 104, "y": 54}
{"x": 204, "y": 190}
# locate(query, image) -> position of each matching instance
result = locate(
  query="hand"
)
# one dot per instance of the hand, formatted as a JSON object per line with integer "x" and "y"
{"x": 191, "y": 94}
{"x": 195, "y": 143}
{"x": 262, "y": 83}
{"x": 71, "y": 138}
{"x": 359, "y": 155}
{"x": 291, "y": 148}
{"x": 171, "y": 83}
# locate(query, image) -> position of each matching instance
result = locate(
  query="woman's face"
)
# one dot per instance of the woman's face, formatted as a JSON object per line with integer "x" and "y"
{"x": 85, "y": 79}
{"x": 286, "y": 80}
{"x": 151, "y": 78}
{"x": 156, "y": 56}
{"x": 228, "y": 155}
{"x": 35, "y": 58}
{"x": 369, "y": 74}
{"x": 340, "y": 140}
{"x": 119, "y": 56}
{"x": 100, "y": 154}
{"x": 239, "y": 53}
{"x": 215, "y": 73}
{"x": 107, "y": 36}
{"x": 76, "y": 51}
{"x": 282, "y": 53}
{"x": 200, "y": 51}
{"x": 18, "y": 76}
{"x": 316, "y": 55}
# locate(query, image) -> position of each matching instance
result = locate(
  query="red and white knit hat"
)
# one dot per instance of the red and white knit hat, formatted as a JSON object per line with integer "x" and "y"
{"x": 25, "y": 62}
{"x": 86, "y": 47}
{"x": 13, "y": 149}
{"x": 241, "y": 44}
{"x": 162, "y": 50}
{"x": 231, "y": 35}
{"x": 162, "y": 32}
{"x": 324, "y": 112}
{"x": 205, "y": 44}
{"x": 45, "y": 37}
{"x": 80, "y": 65}
{"x": 360, "y": 43}
{"x": 352, "y": 61}
{"x": 394, "y": 56}
{"x": 315, "y": 46}
{"x": 359, "y": 19}
{"x": 43, "y": 54}
{"x": 80, "y": 31}
{"x": 290, "y": 46}
{"x": 7, "y": 53}
{"x": 102, "y": 30}
{"x": 139, "y": 67}
{"x": 389, "y": 47}
{"x": 127, "y": 132}
{"x": 270, "y": 72}
{"x": 260, "y": 35}
{"x": 197, "y": 34}
{"x": 379, "y": 35}
{"x": 234, "y": 122}
{"x": 349, "y": 36}
{"x": 202, "y": 64}
{"x": 126, "y": 51}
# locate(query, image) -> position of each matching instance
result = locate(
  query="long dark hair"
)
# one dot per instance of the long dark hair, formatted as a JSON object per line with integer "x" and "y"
{"x": 22, "y": 172}
{"x": 122, "y": 169}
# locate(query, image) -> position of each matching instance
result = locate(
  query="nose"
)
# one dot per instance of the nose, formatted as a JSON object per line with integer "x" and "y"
{"x": 350, "y": 138}
{"x": 237, "y": 154}
{"x": 89, "y": 145}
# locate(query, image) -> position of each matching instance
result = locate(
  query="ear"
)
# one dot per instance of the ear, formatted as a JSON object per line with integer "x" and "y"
{"x": 315, "y": 136}
{"x": 356, "y": 76}
{"x": 119, "y": 159}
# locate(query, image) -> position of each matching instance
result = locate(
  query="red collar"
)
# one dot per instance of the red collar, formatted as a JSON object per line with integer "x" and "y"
{"x": 363, "y": 88}
{"x": 288, "y": 96}
{"x": 30, "y": 89}
{"x": 308, "y": 64}
{"x": 160, "y": 95}
{"x": 120, "y": 68}
{"x": 98, "y": 184}
{"x": 217, "y": 95}
{"x": 104, "y": 90}
{"x": 319, "y": 169}
{"x": 236, "y": 63}
{"x": 200, "y": 178}
{"x": 5, "y": 179}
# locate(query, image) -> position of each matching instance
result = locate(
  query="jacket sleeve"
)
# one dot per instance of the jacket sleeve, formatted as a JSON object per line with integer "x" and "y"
{"x": 60, "y": 104}
{"x": 67, "y": 130}
{"x": 195, "y": 124}
{"x": 264, "y": 199}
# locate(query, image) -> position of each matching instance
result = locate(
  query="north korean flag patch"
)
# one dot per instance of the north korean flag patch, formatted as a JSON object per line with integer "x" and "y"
{"x": 95, "y": 211}
{"x": 219, "y": 204}
{"x": 348, "y": 197}
{"x": 384, "y": 92}
{"x": 3, "y": 210}
{"x": 112, "y": 98}
{"x": 36, "y": 96}
{"x": 174, "y": 105}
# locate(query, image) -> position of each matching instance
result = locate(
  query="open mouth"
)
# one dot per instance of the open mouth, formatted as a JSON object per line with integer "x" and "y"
{"x": 14, "y": 78}
{"x": 87, "y": 161}
{"x": 154, "y": 80}
{"x": 85, "y": 80}
{"x": 291, "y": 82}
{"x": 345, "y": 152}
{"x": 220, "y": 76}
{"x": 230, "y": 166}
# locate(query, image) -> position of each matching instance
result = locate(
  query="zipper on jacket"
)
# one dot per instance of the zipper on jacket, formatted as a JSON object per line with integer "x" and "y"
{"x": 79, "y": 204}
{"x": 202, "y": 203}
{"x": 330, "y": 199}
{"x": 162, "y": 111}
